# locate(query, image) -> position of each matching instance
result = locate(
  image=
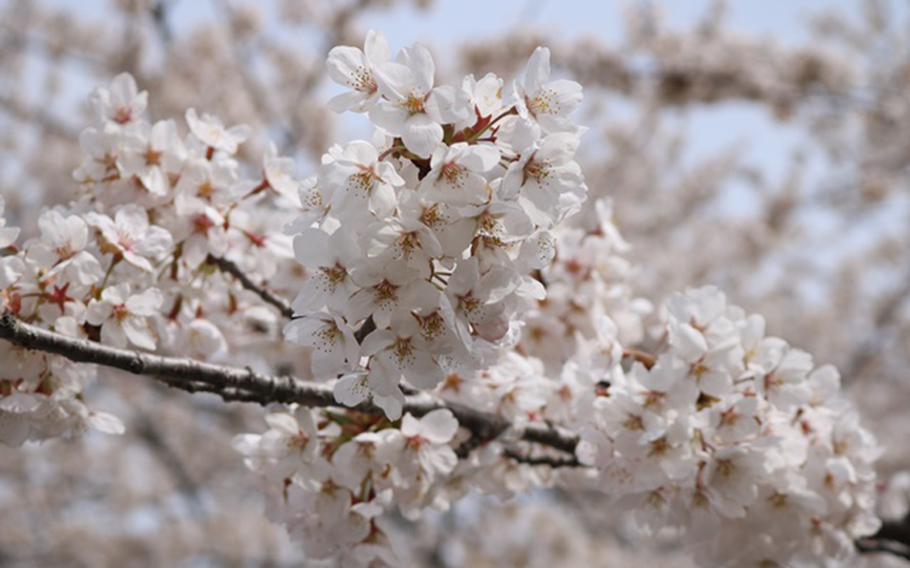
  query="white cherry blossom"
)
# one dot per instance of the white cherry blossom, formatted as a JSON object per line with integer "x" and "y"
{"x": 130, "y": 236}
{"x": 212, "y": 132}
{"x": 124, "y": 316}
{"x": 122, "y": 103}
{"x": 548, "y": 102}
{"x": 331, "y": 339}
{"x": 412, "y": 108}
{"x": 355, "y": 69}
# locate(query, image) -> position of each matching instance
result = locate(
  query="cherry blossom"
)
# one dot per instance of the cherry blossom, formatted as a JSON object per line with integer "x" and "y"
{"x": 122, "y": 103}
{"x": 355, "y": 69}
{"x": 547, "y": 102}
{"x": 130, "y": 236}
{"x": 212, "y": 132}
{"x": 123, "y": 316}
{"x": 411, "y": 107}
{"x": 455, "y": 297}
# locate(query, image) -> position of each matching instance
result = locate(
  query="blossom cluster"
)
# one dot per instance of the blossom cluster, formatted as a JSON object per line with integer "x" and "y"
{"x": 331, "y": 478}
{"x": 449, "y": 254}
{"x": 738, "y": 437}
{"x": 127, "y": 264}
{"x": 430, "y": 236}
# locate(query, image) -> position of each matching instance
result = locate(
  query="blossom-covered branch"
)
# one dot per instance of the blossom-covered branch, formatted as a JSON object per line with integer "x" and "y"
{"x": 460, "y": 323}
{"x": 249, "y": 386}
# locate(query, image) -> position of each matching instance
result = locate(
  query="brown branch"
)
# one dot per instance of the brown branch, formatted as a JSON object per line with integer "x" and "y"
{"x": 550, "y": 461}
{"x": 229, "y": 267}
{"x": 246, "y": 385}
{"x": 892, "y": 538}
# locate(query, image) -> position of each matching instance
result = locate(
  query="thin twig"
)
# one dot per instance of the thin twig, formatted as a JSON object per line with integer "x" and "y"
{"x": 229, "y": 267}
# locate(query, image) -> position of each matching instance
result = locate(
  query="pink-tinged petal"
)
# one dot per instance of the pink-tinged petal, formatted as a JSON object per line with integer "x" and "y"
{"x": 123, "y": 88}
{"x": 137, "y": 261}
{"x": 384, "y": 375}
{"x": 423, "y": 372}
{"x": 98, "y": 312}
{"x": 11, "y": 269}
{"x": 155, "y": 181}
{"x": 84, "y": 269}
{"x": 568, "y": 94}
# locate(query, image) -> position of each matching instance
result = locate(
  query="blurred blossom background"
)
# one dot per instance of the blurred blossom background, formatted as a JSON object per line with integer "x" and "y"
{"x": 763, "y": 147}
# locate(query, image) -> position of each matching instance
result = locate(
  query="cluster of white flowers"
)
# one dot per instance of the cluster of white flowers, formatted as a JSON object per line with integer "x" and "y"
{"x": 126, "y": 263}
{"x": 430, "y": 234}
{"x": 330, "y": 478}
{"x": 443, "y": 255}
{"x": 737, "y": 437}
{"x": 590, "y": 278}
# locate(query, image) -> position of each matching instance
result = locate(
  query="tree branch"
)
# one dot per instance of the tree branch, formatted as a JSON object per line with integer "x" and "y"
{"x": 550, "y": 461}
{"x": 246, "y": 385}
{"x": 892, "y": 538}
{"x": 229, "y": 267}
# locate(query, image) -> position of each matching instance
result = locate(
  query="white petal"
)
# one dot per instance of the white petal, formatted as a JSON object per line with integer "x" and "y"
{"x": 351, "y": 390}
{"x": 538, "y": 70}
{"x": 343, "y": 64}
{"x": 138, "y": 332}
{"x": 421, "y": 134}
{"x": 376, "y": 47}
{"x": 311, "y": 248}
{"x": 410, "y": 426}
{"x": 146, "y": 303}
{"x": 106, "y": 423}
{"x": 418, "y": 59}
{"x": 481, "y": 157}
{"x": 438, "y": 426}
